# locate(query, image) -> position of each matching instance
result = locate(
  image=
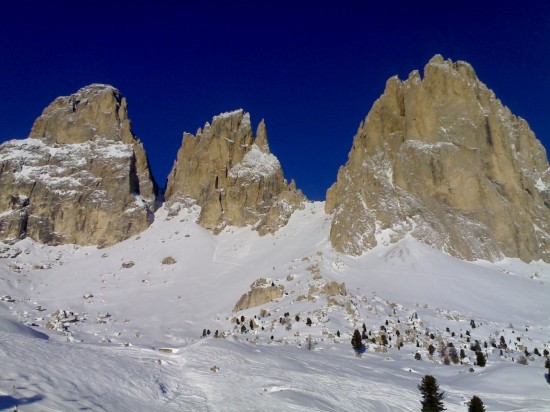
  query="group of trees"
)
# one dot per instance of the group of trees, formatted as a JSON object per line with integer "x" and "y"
{"x": 432, "y": 397}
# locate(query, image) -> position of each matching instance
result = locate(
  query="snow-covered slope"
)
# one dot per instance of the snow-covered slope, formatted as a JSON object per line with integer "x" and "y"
{"x": 125, "y": 329}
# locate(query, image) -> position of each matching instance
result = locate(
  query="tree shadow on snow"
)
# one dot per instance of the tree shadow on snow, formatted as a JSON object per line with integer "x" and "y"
{"x": 9, "y": 401}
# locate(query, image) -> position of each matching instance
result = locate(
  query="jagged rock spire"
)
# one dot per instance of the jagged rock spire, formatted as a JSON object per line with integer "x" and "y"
{"x": 261, "y": 138}
{"x": 232, "y": 176}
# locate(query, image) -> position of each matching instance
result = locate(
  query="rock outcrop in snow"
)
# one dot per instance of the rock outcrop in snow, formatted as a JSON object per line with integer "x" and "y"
{"x": 232, "y": 176}
{"x": 81, "y": 176}
{"x": 261, "y": 292}
{"x": 442, "y": 158}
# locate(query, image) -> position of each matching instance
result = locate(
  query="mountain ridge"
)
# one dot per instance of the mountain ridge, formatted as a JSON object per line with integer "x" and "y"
{"x": 439, "y": 157}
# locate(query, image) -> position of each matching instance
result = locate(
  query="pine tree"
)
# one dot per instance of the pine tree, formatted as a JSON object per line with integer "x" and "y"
{"x": 480, "y": 359}
{"x": 432, "y": 398}
{"x": 476, "y": 405}
{"x": 356, "y": 342}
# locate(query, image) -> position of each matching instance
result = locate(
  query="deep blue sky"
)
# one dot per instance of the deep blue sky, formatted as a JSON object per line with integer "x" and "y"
{"x": 312, "y": 71}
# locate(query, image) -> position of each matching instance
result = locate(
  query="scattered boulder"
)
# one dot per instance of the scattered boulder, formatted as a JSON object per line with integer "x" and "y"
{"x": 168, "y": 260}
{"x": 334, "y": 288}
{"x": 261, "y": 292}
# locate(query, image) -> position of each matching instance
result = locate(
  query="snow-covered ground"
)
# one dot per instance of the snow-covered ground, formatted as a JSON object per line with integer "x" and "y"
{"x": 110, "y": 329}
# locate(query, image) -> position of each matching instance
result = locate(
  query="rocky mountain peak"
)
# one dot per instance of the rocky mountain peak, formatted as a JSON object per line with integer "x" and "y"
{"x": 232, "y": 176}
{"x": 442, "y": 158}
{"x": 81, "y": 176}
{"x": 95, "y": 111}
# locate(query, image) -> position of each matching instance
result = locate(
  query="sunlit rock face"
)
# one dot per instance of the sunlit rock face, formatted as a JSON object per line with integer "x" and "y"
{"x": 441, "y": 158}
{"x": 232, "y": 176}
{"x": 81, "y": 177}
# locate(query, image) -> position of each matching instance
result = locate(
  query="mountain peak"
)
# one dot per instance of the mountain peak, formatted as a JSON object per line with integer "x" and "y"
{"x": 97, "y": 88}
{"x": 441, "y": 158}
{"x": 82, "y": 176}
{"x": 97, "y": 111}
{"x": 232, "y": 176}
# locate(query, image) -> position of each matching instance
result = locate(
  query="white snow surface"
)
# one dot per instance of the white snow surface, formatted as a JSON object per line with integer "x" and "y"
{"x": 541, "y": 186}
{"x": 127, "y": 328}
{"x": 255, "y": 165}
{"x": 227, "y": 115}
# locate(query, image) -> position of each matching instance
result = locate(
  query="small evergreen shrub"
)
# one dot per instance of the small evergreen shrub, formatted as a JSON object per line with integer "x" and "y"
{"x": 476, "y": 405}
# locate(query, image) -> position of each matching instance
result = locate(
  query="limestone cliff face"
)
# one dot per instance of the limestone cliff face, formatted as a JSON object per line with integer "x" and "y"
{"x": 81, "y": 176}
{"x": 441, "y": 158}
{"x": 232, "y": 176}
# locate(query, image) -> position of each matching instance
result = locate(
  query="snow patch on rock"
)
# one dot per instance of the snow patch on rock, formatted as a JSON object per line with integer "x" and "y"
{"x": 255, "y": 165}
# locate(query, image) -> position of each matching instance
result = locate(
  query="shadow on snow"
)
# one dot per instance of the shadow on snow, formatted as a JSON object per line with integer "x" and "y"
{"x": 7, "y": 401}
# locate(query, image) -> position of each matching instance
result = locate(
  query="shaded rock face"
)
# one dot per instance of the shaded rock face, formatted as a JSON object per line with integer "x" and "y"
{"x": 81, "y": 176}
{"x": 441, "y": 158}
{"x": 232, "y": 176}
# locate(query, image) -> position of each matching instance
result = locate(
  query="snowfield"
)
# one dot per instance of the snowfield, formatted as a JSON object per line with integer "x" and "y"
{"x": 121, "y": 328}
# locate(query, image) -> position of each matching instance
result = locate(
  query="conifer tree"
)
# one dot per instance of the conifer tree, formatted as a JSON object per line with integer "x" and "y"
{"x": 476, "y": 405}
{"x": 356, "y": 342}
{"x": 432, "y": 397}
{"x": 480, "y": 359}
